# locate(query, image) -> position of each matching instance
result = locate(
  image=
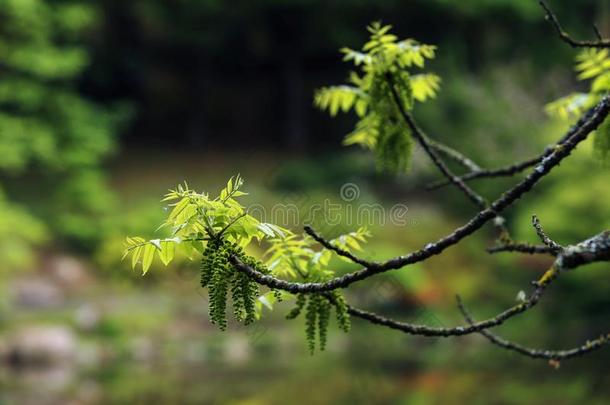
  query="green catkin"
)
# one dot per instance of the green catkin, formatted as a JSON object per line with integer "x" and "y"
{"x": 311, "y": 318}
{"x": 250, "y": 288}
{"x": 250, "y": 294}
{"x": 323, "y": 320}
{"x": 278, "y": 295}
{"x": 220, "y": 277}
{"x": 300, "y": 303}
{"x": 394, "y": 148}
{"x": 216, "y": 274}
{"x": 317, "y": 316}
{"x": 218, "y": 289}
{"x": 404, "y": 88}
{"x": 207, "y": 259}
{"x": 238, "y": 295}
{"x": 343, "y": 318}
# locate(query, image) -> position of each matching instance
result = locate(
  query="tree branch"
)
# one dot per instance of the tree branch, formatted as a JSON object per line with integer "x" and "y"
{"x": 423, "y": 330}
{"x": 521, "y": 248}
{"x": 579, "y": 133}
{"x": 596, "y": 248}
{"x": 565, "y": 37}
{"x": 588, "y": 347}
{"x": 423, "y": 140}
{"x": 414, "y": 329}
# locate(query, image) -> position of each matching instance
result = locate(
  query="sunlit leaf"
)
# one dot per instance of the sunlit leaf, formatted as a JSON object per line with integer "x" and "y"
{"x": 147, "y": 257}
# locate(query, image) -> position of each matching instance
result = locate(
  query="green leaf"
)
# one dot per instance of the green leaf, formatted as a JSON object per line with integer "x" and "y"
{"x": 266, "y": 229}
{"x": 425, "y": 86}
{"x": 147, "y": 257}
{"x": 178, "y": 208}
{"x": 592, "y": 63}
{"x": 337, "y": 98}
{"x": 137, "y": 252}
{"x": 166, "y": 253}
{"x": 570, "y": 106}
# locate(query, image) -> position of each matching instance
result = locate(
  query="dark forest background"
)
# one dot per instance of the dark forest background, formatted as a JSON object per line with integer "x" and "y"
{"x": 197, "y": 72}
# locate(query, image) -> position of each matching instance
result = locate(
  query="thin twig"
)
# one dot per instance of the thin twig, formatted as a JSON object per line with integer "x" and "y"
{"x": 551, "y": 244}
{"x": 419, "y": 135}
{"x": 588, "y": 347}
{"x": 521, "y": 248}
{"x": 424, "y": 141}
{"x": 598, "y": 34}
{"x": 233, "y": 221}
{"x": 341, "y": 252}
{"x": 425, "y": 330}
{"x": 565, "y": 37}
{"x": 506, "y": 171}
{"x": 451, "y": 153}
{"x": 516, "y": 168}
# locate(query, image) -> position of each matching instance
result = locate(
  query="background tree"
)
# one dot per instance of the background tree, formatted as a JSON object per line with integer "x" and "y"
{"x": 48, "y": 129}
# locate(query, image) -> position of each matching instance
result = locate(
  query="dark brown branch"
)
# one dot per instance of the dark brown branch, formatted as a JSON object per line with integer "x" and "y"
{"x": 588, "y": 347}
{"x": 577, "y": 134}
{"x": 565, "y": 37}
{"x": 594, "y": 249}
{"x": 425, "y": 330}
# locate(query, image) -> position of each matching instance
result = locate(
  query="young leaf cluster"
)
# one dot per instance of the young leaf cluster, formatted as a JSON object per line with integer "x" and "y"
{"x": 219, "y": 228}
{"x": 383, "y": 61}
{"x": 593, "y": 65}
{"x": 196, "y": 218}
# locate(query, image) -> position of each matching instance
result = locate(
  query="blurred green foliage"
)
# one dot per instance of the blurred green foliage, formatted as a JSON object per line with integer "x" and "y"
{"x": 18, "y": 232}
{"x": 50, "y": 133}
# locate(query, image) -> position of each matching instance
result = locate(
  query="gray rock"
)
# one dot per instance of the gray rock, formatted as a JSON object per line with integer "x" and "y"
{"x": 38, "y": 293}
{"x": 87, "y": 317}
{"x": 67, "y": 271}
{"x": 41, "y": 344}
